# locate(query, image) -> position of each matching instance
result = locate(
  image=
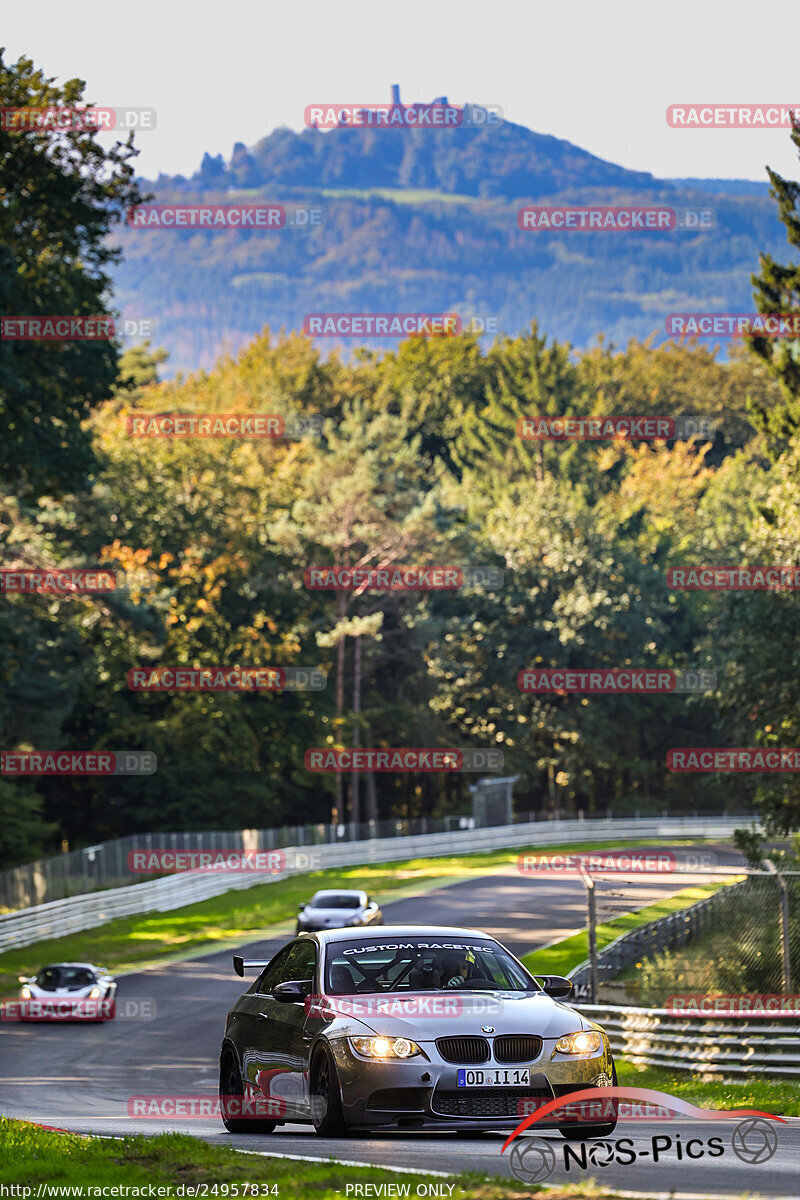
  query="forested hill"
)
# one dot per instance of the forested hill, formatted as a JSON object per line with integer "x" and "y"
{"x": 500, "y": 160}
{"x": 426, "y": 220}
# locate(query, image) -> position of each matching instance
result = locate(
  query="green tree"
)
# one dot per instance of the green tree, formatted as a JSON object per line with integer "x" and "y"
{"x": 367, "y": 502}
{"x": 777, "y": 290}
{"x": 61, "y": 193}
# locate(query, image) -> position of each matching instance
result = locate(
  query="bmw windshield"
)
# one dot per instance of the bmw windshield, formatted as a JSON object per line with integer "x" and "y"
{"x": 417, "y": 964}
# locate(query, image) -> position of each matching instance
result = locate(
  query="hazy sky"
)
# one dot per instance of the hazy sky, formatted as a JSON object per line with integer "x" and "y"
{"x": 600, "y": 73}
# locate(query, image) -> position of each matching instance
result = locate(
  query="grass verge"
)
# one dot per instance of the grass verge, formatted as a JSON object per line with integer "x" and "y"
{"x": 778, "y": 1096}
{"x": 264, "y": 910}
{"x": 562, "y": 957}
{"x": 32, "y": 1155}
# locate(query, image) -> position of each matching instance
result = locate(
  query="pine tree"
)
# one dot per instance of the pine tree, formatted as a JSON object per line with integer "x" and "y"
{"x": 777, "y": 290}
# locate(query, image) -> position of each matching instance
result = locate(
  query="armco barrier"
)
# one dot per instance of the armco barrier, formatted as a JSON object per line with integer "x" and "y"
{"x": 106, "y": 864}
{"x": 60, "y": 917}
{"x": 718, "y": 1045}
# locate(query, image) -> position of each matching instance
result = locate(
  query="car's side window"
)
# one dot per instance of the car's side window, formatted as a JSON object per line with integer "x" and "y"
{"x": 272, "y": 974}
{"x": 301, "y": 963}
{"x": 298, "y": 960}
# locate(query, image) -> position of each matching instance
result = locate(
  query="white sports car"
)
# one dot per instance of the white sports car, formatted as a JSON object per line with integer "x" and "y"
{"x": 336, "y": 909}
{"x": 66, "y": 992}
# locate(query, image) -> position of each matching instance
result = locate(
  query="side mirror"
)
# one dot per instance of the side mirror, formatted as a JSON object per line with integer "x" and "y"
{"x": 291, "y": 992}
{"x": 556, "y": 985}
{"x": 300, "y": 907}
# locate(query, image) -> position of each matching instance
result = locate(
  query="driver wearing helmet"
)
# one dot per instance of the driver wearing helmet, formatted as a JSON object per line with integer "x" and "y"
{"x": 458, "y": 968}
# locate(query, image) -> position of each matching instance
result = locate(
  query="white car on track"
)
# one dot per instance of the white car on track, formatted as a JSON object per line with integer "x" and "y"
{"x": 337, "y": 908}
{"x": 67, "y": 992}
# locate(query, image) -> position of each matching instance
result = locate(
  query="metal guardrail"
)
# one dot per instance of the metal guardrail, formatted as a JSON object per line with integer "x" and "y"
{"x": 718, "y": 1045}
{"x": 105, "y": 865}
{"x": 75, "y": 913}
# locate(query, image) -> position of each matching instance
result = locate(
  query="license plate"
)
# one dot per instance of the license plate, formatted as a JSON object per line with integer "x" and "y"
{"x": 494, "y": 1077}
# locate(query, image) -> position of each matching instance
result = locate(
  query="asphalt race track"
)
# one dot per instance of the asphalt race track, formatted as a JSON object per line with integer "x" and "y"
{"x": 81, "y": 1076}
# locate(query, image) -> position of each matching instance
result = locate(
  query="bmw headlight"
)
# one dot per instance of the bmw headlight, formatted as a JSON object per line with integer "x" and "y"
{"x": 579, "y": 1043}
{"x": 95, "y": 993}
{"x": 25, "y": 993}
{"x": 385, "y": 1047}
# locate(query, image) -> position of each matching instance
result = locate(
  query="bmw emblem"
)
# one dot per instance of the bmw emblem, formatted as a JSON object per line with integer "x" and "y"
{"x": 487, "y": 1028}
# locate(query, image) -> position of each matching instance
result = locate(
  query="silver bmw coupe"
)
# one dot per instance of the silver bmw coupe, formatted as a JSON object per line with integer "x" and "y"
{"x": 406, "y": 1027}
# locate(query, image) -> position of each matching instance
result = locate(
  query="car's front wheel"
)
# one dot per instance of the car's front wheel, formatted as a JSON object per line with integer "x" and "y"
{"x": 231, "y": 1097}
{"x": 577, "y": 1133}
{"x": 326, "y": 1095}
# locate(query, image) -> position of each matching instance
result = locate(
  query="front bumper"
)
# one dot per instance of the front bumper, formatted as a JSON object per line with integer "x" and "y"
{"x": 61, "y": 1008}
{"x": 415, "y": 1093}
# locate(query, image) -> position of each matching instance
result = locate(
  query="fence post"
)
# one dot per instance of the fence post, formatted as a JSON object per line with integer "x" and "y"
{"x": 591, "y": 906}
{"x": 786, "y": 954}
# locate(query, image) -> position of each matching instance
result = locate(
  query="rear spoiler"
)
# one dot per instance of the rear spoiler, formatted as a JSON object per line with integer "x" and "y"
{"x": 240, "y": 966}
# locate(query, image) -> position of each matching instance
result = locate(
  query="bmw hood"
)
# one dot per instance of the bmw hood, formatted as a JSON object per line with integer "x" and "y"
{"x": 426, "y": 1016}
